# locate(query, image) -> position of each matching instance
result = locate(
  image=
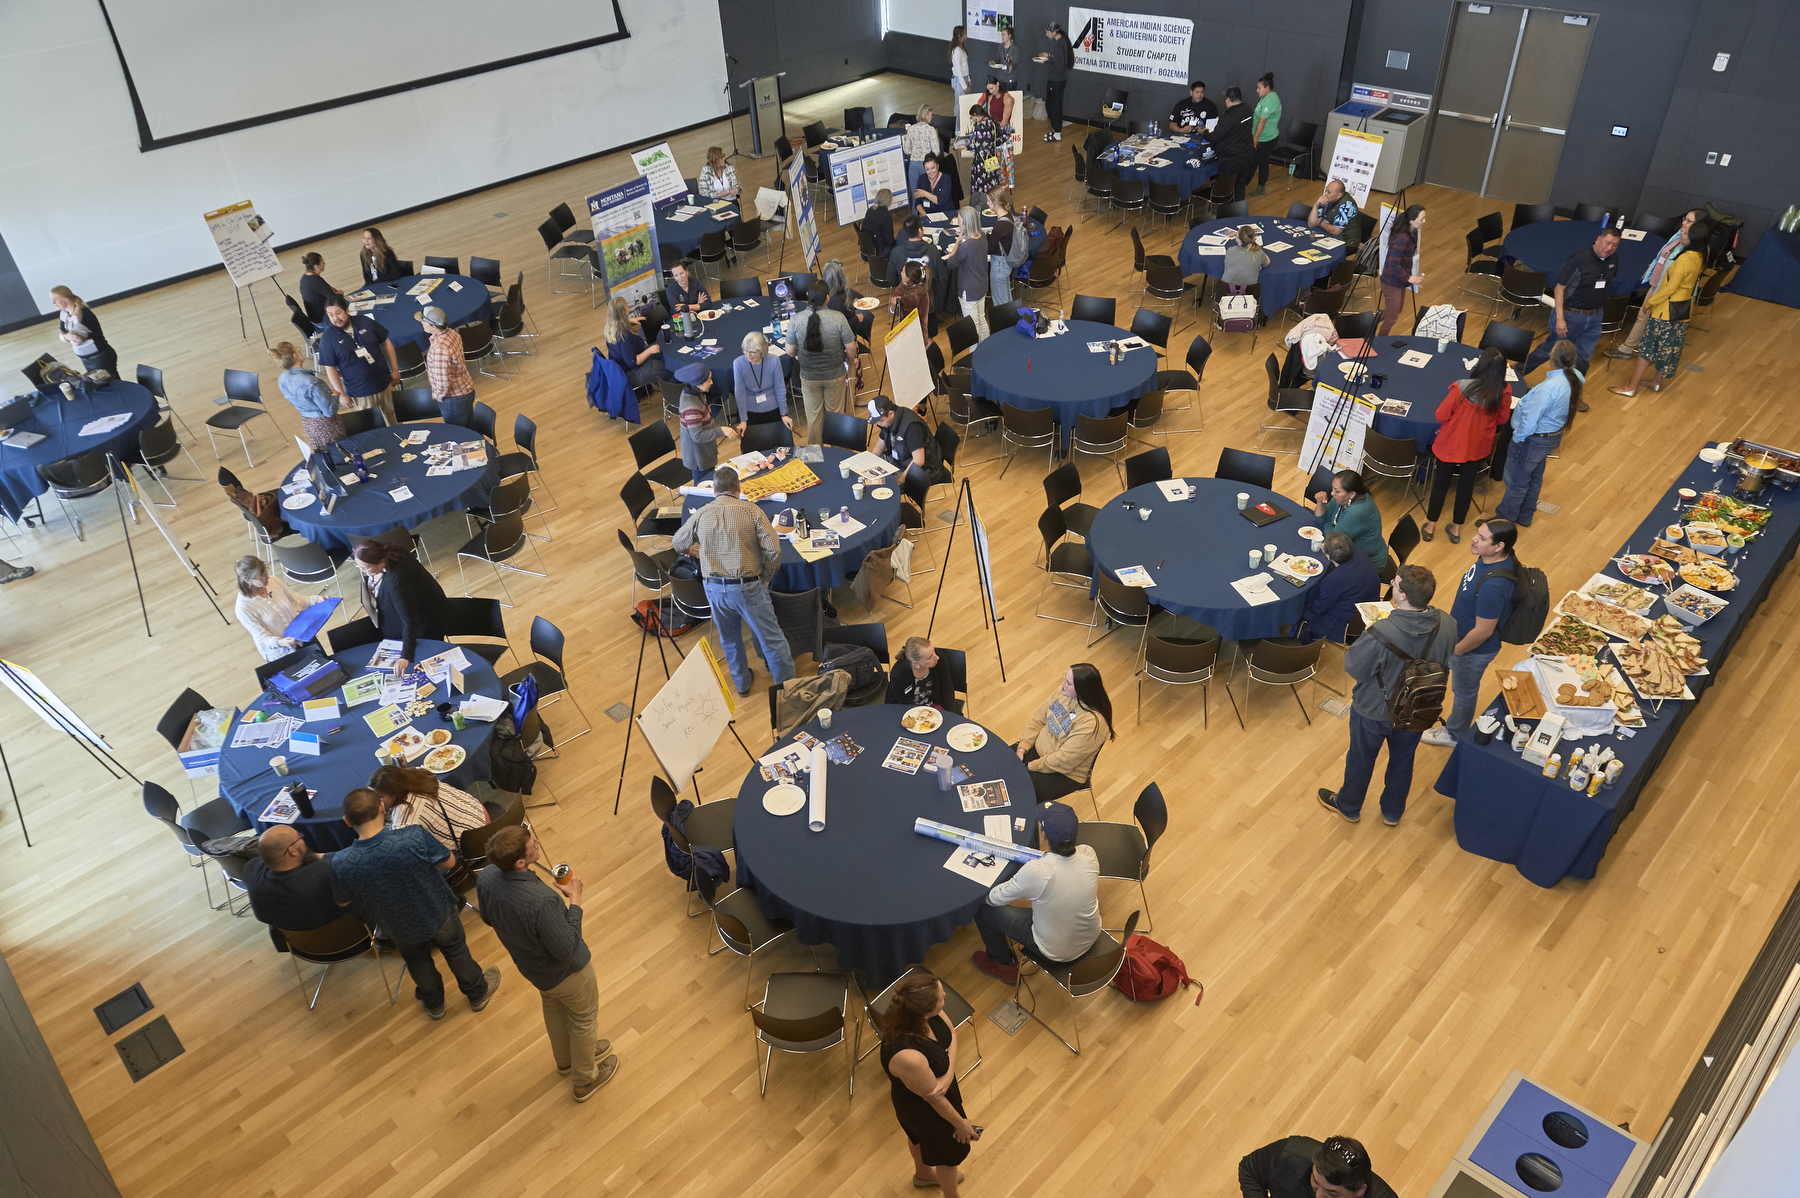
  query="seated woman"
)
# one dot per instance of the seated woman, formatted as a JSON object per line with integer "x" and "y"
{"x": 921, "y": 678}
{"x": 759, "y": 385}
{"x": 266, "y": 606}
{"x": 1349, "y": 508}
{"x": 414, "y": 796}
{"x": 1066, "y": 734}
{"x": 625, "y": 345}
{"x": 379, "y": 263}
{"x": 685, "y": 292}
{"x": 934, "y": 193}
{"x": 718, "y": 179}
{"x": 1245, "y": 260}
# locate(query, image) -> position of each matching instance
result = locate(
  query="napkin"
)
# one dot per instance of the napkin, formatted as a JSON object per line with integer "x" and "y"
{"x": 1255, "y": 589}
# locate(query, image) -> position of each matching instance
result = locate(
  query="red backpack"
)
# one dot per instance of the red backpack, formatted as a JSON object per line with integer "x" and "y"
{"x": 1151, "y": 972}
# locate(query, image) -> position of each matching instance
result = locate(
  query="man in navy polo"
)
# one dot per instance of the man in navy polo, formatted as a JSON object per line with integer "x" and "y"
{"x": 359, "y": 360}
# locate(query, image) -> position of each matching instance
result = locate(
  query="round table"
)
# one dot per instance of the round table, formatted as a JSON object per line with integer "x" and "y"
{"x": 60, "y": 422}
{"x": 1187, "y": 179}
{"x": 738, "y": 319}
{"x": 1284, "y": 278}
{"x": 1424, "y": 387}
{"x": 347, "y": 757}
{"x": 684, "y": 235}
{"x": 1196, "y": 549}
{"x": 399, "y": 318}
{"x": 882, "y": 517}
{"x": 1061, "y": 372}
{"x": 1546, "y": 244}
{"x": 369, "y": 510}
{"x": 868, "y": 884}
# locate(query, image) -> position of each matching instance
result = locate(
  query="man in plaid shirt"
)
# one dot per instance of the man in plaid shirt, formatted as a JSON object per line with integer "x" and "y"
{"x": 451, "y": 385}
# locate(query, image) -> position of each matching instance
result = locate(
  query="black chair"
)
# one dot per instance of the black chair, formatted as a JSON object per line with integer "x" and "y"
{"x": 486, "y": 271}
{"x": 872, "y": 637}
{"x": 1236, "y": 208}
{"x": 1531, "y": 214}
{"x": 473, "y": 617}
{"x": 174, "y": 723}
{"x": 360, "y": 631}
{"x": 1404, "y": 539}
{"x": 760, "y": 438}
{"x": 713, "y": 248}
{"x": 1063, "y": 559}
{"x": 1148, "y": 467}
{"x": 567, "y": 257}
{"x": 1112, "y": 107}
{"x": 497, "y": 544}
{"x": 483, "y": 420}
{"x": 652, "y": 443}
{"x": 815, "y": 135}
{"x": 1129, "y": 195}
{"x": 1100, "y": 184}
{"x": 243, "y": 403}
{"x": 1298, "y": 211}
{"x": 1165, "y": 201}
{"x": 845, "y": 431}
{"x": 1124, "y": 849}
{"x": 363, "y": 421}
{"x": 449, "y": 266}
{"x": 1153, "y": 327}
{"x": 740, "y": 288}
{"x": 1094, "y": 308}
{"x": 404, "y": 266}
{"x": 1081, "y": 175}
{"x": 963, "y": 337}
{"x": 1481, "y": 260}
{"x": 77, "y": 478}
{"x": 548, "y": 670}
{"x": 801, "y": 615}
{"x": 157, "y": 446}
{"x": 564, "y": 220}
{"x": 639, "y": 497}
{"x": 1285, "y": 401}
{"x": 151, "y": 379}
{"x": 1585, "y": 211}
{"x": 1063, "y": 484}
{"x": 1392, "y": 457}
{"x": 1022, "y": 428}
{"x": 1295, "y": 147}
{"x": 1653, "y": 226}
{"x": 1510, "y": 340}
{"x": 1522, "y": 289}
{"x": 414, "y": 404}
{"x": 1242, "y": 466}
{"x": 411, "y": 361}
{"x": 1356, "y": 324}
{"x": 1003, "y": 317}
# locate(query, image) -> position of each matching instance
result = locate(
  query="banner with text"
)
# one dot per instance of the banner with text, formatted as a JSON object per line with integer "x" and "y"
{"x": 657, "y": 164}
{"x": 1334, "y": 434}
{"x": 1124, "y": 43}
{"x": 1353, "y": 159}
{"x": 243, "y": 239}
{"x": 800, "y": 204}
{"x": 985, "y": 19}
{"x": 624, "y": 220}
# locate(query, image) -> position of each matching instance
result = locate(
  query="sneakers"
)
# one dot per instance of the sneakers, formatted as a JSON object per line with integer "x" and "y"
{"x": 1440, "y": 737}
{"x": 1624, "y": 355}
{"x": 490, "y": 975}
{"x": 436, "y": 1012}
{"x": 608, "y": 1067}
{"x": 1005, "y": 973}
{"x": 920, "y": 1183}
{"x": 17, "y": 573}
{"x": 1052, "y": 137}
{"x": 600, "y": 1050}
{"x": 1328, "y": 800}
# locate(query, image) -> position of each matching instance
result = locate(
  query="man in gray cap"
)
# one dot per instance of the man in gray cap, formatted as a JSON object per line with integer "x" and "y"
{"x": 359, "y": 360}
{"x": 451, "y": 385}
{"x": 1064, "y": 888}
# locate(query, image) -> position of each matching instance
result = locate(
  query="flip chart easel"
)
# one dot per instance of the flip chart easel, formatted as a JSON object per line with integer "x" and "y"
{"x": 696, "y": 704}
{"x": 180, "y": 550}
{"x": 984, "y": 570}
{"x": 40, "y": 699}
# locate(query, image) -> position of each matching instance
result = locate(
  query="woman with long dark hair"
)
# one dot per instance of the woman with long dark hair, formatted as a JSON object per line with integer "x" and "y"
{"x": 918, "y": 1053}
{"x": 1397, "y": 271}
{"x": 1468, "y": 418}
{"x": 824, "y": 346}
{"x": 1539, "y": 423}
{"x": 1064, "y": 736}
{"x": 959, "y": 62}
{"x": 379, "y": 263}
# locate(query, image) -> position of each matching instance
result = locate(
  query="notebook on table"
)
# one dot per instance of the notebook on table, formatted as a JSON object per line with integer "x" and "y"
{"x": 1260, "y": 514}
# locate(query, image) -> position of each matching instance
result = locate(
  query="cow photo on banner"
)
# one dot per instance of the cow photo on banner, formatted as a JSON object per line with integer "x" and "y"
{"x": 625, "y": 240}
{"x": 1134, "y": 44}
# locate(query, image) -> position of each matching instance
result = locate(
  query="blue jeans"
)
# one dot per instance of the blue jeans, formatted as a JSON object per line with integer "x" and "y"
{"x": 1000, "y": 278}
{"x": 428, "y": 983}
{"x": 1465, "y": 685}
{"x": 733, "y": 605}
{"x": 1366, "y": 739}
{"x": 458, "y": 409}
{"x": 1525, "y": 474}
{"x": 997, "y": 923}
{"x": 1584, "y": 331}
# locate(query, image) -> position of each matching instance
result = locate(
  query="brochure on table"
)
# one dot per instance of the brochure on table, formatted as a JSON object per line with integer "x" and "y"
{"x": 858, "y": 172}
{"x": 624, "y": 221}
{"x": 657, "y": 164}
{"x": 1135, "y": 44}
{"x": 1340, "y": 432}
{"x": 243, "y": 240}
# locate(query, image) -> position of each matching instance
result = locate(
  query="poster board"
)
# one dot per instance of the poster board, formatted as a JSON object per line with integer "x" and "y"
{"x": 963, "y": 121}
{"x": 657, "y": 164}
{"x": 909, "y": 371}
{"x": 984, "y": 559}
{"x": 688, "y": 715}
{"x": 1134, "y": 44}
{"x": 1353, "y": 159}
{"x": 859, "y": 172}
{"x": 244, "y": 242}
{"x": 984, "y": 19}
{"x": 800, "y": 204}
{"x": 150, "y": 510}
{"x": 1337, "y": 433}
{"x": 34, "y": 694}
{"x": 624, "y": 220}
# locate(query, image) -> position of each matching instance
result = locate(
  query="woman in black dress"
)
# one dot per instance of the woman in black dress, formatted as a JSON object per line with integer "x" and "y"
{"x": 918, "y": 1053}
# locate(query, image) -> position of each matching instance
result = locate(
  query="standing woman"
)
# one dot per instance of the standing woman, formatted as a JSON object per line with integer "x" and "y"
{"x": 824, "y": 348}
{"x": 913, "y": 294}
{"x": 1539, "y": 423}
{"x": 1066, "y": 734}
{"x": 1005, "y": 249}
{"x": 379, "y": 263}
{"x": 918, "y": 1053}
{"x": 1468, "y": 418}
{"x": 81, "y": 329}
{"x": 759, "y": 386}
{"x": 1665, "y": 332}
{"x": 718, "y": 179}
{"x": 402, "y": 598}
{"x": 1397, "y": 272}
{"x": 921, "y": 137}
{"x": 959, "y": 62}
{"x": 316, "y": 403}
{"x": 999, "y": 104}
{"x": 266, "y": 606}
{"x": 983, "y": 141}
{"x": 315, "y": 292}
{"x": 970, "y": 261}
{"x": 1006, "y": 63}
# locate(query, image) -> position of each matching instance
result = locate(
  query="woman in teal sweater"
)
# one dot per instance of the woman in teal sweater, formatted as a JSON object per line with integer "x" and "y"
{"x": 1351, "y": 510}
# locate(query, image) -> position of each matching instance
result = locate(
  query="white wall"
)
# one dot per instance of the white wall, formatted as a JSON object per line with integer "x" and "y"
{"x": 79, "y": 205}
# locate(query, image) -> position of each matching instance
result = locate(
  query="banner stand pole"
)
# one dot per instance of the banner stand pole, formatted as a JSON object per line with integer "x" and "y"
{"x": 113, "y": 464}
{"x": 20, "y": 811}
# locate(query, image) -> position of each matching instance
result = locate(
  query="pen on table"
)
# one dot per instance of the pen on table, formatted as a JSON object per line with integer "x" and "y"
{"x": 1159, "y": 565}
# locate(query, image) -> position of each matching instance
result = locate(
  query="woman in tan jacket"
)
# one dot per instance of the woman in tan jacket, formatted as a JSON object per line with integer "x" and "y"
{"x": 1066, "y": 734}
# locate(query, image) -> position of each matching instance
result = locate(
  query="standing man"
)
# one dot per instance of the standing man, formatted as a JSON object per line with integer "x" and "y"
{"x": 396, "y": 877}
{"x": 1268, "y": 128}
{"x": 1061, "y": 60}
{"x": 1653, "y": 274}
{"x": 289, "y": 885}
{"x": 903, "y": 439}
{"x": 739, "y": 553}
{"x": 1335, "y": 212}
{"x": 1583, "y": 284}
{"x": 1375, "y": 661}
{"x": 1482, "y": 605}
{"x": 1234, "y": 141}
{"x": 359, "y": 360}
{"x": 1190, "y": 116}
{"x": 544, "y": 939}
{"x": 447, "y": 369}
{"x": 1064, "y": 888}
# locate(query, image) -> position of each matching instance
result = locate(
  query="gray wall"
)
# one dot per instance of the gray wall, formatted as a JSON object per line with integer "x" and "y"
{"x": 819, "y": 43}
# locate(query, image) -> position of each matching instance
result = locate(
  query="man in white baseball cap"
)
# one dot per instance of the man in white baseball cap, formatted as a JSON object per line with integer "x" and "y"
{"x": 451, "y": 385}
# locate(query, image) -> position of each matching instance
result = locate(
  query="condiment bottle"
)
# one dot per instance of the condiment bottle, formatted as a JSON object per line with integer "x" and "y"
{"x": 1553, "y": 766}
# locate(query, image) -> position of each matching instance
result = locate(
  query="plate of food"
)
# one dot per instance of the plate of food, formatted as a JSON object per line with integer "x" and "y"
{"x": 1708, "y": 576}
{"x": 1310, "y": 533}
{"x": 1603, "y": 616}
{"x": 1568, "y": 635}
{"x": 438, "y": 736}
{"x": 1644, "y": 567}
{"x": 709, "y": 314}
{"x": 967, "y": 738}
{"x": 445, "y": 758}
{"x": 1707, "y": 538}
{"x": 1669, "y": 551}
{"x": 867, "y": 303}
{"x": 882, "y": 493}
{"x": 1653, "y": 671}
{"x": 302, "y": 499}
{"x": 922, "y": 719}
{"x": 1620, "y": 594}
{"x": 783, "y": 799}
{"x": 989, "y": 212}
{"x": 405, "y": 744}
{"x": 1730, "y": 514}
{"x": 1310, "y": 567}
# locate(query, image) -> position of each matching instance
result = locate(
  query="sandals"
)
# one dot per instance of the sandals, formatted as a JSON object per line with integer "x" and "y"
{"x": 1621, "y": 391}
{"x": 1428, "y": 532}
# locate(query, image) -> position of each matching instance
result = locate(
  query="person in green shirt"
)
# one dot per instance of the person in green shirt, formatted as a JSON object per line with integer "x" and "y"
{"x": 1350, "y": 509}
{"x": 1268, "y": 128}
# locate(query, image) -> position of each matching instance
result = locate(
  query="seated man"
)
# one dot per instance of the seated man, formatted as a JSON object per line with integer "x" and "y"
{"x": 904, "y": 440}
{"x": 1301, "y": 1167}
{"x": 1190, "y": 115}
{"x": 1350, "y": 578}
{"x": 1336, "y": 213}
{"x": 289, "y": 885}
{"x": 1064, "y": 888}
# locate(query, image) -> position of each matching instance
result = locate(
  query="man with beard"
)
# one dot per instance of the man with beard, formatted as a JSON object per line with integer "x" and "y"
{"x": 289, "y": 884}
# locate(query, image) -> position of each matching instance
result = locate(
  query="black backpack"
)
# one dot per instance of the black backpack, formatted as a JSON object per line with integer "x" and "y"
{"x": 859, "y": 661}
{"x": 1530, "y": 603}
{"x": 1418, "y": 701}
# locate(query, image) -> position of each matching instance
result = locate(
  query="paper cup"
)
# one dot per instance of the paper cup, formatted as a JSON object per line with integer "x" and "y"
{"x": 1255, "y": 558}
{"x": 844, "y": 469}
{"x": 1268, "y": 553}
{"x": 1443, "y": 344}
{"x": 856, "y": 489}
{"x": 1243, "y": 500}
{"x": 1143, "y": 513}
{"x": 279, "y": 765}
{"x": 824, "y": 717}
{"x": 1318, "y": 544}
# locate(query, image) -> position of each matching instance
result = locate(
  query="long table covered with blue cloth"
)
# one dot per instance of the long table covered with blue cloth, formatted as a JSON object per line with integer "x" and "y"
{"x": 868, "y": 884}
{"x": 1507, "y": 810}
{"x": 347, "y": 756}
{"x": 60, "y": 422}
{"x": 1286, "y": 275}
{"x": 1772, "y": 272}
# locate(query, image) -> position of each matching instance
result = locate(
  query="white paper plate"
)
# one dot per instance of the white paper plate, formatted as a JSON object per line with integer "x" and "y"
{"x": 966, "y": 738}
{"x": 453, "y": 754}
{"x": 882, "y": 493}
{"x": 867, "y": 303}
{"x": 783, "y": 799}
{"x": 1309, "y": 532}
{"x": 710, "y": 314}
{"x": 922, "y": 719}
{"x": 1312, "y": 567}
{"x": 294, "y": 503}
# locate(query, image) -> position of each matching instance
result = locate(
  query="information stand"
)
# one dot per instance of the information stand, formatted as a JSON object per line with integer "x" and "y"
{"x": 859, "y": 172}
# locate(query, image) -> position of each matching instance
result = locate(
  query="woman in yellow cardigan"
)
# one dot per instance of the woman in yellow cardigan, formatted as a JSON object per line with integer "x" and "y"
{"x": 1064, "y": 736}
{"x": 1663, "y": 336}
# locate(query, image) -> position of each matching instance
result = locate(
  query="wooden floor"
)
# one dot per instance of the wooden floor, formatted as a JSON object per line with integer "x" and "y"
{"x": 1372, "y": 981}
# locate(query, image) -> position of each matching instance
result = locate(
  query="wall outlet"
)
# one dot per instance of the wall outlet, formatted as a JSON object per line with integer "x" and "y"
{"x": 1725, "y": 160}
{"x": 1712, "y": 159}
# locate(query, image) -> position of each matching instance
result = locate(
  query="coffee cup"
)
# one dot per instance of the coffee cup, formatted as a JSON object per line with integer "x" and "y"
{"x": 279, "y": 765}
{"x": 1318, "y": 544}
{"x": 1443, "y": 344}
{"x": 1268, "y": 553}
{"x": 1255, "y": 558}
{"x": 824, "y": 717}
{"x": 844, "y": 469}
{"x": 1143, "y": 513}
{"x": 856, "y": 489}
{"x": 1243, "y": 500}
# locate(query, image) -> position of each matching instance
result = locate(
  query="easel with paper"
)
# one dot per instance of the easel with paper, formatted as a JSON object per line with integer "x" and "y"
{"x": 903, "y": 357}
{"x": 180, "y": 548}
{"x": 244, "y": 241}
{"x": 1335, "y": 431}
{"x": 684, "y": 721}
{"x": 984, "y": 569}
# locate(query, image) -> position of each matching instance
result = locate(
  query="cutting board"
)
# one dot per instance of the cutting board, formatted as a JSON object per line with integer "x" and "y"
{"x": 1525, "y": 703}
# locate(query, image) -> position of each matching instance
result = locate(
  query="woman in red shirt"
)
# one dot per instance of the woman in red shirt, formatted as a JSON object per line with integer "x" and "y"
{"x": 1467, "y": 420}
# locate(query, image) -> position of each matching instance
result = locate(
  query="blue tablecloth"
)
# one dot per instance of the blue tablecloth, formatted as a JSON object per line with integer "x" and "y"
{"x": 882, "y": 516}
{"x": 747, "y": 316}
{"x": 1187, "y": 179}
{"x": 1061, "y": 372}
{"x": 1772, "y": 272}
{"x": 1508, "y": 811}
{"x": 400, "y": 318}
{"x": 369, "y": 511}
{"x": 685, "y": 235}
{"x": 1197, "y": 548}
{"x": 868, "y": 884}
{"x": 1545, "y": 245}
{"x": 1424, "y": 387}
{"x": 347, "y": 757}
{"x": 1283, "y": 279}
{"x": 60, "y": 422}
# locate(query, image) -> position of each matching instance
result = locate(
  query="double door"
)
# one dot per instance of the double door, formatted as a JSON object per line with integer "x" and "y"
{"x": 1504, "y": 106}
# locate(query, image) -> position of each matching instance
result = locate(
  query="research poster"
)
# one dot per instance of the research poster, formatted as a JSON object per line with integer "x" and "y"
{"x": 625, "y": 240}
{"x": 657, "y": 164}
{"x": 1353, "y": 159}
{"x": 859, "y": 173}
{"x": 800, "y": 204}
{"x": 1134, "y": 44}
{"x": 984, "y": 22}
{"x": 244, "y": 240}
{"x": 1334, "y": 434}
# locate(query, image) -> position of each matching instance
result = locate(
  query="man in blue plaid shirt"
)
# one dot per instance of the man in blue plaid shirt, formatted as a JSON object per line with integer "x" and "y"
{"x": 1336, "y": 214}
